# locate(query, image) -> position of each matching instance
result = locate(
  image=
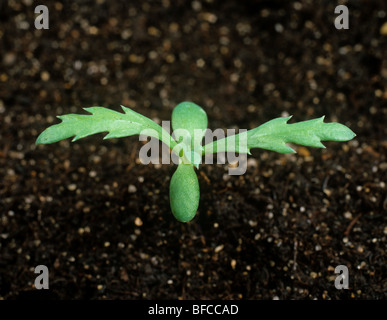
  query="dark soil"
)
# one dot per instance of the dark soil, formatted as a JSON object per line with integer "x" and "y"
{"x": 277, "y": 232}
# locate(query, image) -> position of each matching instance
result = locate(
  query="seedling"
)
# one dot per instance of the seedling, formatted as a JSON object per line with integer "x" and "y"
{"x": 191, "y": 121}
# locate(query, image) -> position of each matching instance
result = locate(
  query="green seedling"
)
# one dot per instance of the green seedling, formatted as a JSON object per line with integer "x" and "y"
{"x": 191, "y": 120}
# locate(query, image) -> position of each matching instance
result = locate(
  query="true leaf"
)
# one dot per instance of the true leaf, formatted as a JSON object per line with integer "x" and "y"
{"x": 189, "y": 124}
{"x": 274, "y": 134}
{"x": 104, "y": 120}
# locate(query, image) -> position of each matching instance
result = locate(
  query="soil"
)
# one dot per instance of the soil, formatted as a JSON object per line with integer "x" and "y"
{"x": 100, "y": 220}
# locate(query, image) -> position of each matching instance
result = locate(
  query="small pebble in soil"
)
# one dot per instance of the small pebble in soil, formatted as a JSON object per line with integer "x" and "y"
{"x": 252, "y": 163}
{"x": 219, "y": 248}
{"x": 360, "y": 249}
{"x": 348, "y": 215}
{"x": 383, "y": 29}
{"x": 132, "y": 188}
{"x": 138, "y": 222}
{"x": 72, "y": 187}
{"x": 253, "y": 223}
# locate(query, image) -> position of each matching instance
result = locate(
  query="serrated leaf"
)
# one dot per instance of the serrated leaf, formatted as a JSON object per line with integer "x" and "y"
{"x": 117, "y": 125}
{"x": 274, "y": 134}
